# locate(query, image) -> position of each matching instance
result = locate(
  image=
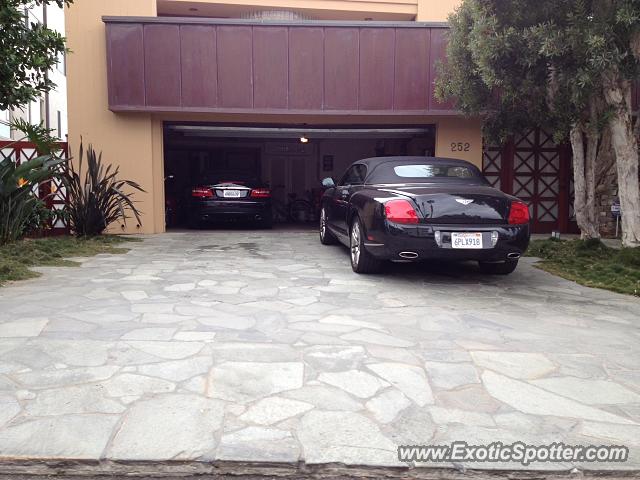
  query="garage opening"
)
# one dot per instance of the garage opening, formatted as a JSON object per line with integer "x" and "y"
{"x": 279, "y": 166}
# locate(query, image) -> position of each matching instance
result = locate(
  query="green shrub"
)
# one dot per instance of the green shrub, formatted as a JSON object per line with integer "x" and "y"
{"x": 96, "y": 198}
{"x": 41, "y": 218}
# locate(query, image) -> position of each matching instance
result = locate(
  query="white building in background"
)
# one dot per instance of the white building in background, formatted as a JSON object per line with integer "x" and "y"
{"x": 51, "y": 108}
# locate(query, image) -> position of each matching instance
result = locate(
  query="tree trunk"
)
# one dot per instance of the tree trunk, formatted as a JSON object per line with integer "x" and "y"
{"x": 625, "y": 146}
{"x": 584, "y": 180}
{"x": 591, "y": 156}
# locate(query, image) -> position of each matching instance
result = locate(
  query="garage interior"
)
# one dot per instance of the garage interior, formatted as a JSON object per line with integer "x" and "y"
{"x": 291, "y": 161}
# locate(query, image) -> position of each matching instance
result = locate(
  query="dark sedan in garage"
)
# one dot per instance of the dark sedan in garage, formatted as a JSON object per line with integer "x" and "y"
{"x": 230, "y": 197}
{"x": 421, "y": 208}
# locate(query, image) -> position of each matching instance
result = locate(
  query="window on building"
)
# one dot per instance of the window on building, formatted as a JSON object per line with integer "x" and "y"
{"x": 5, "y": 129}
{"x": 59, "y": 120}
{"x": 62, "y": 63}
{"x": 35, "y": 112}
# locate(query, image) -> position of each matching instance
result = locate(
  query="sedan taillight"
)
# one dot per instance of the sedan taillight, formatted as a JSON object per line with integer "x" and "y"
{"x": 519, "y": 213}
{"x": 201, "y": 192}
{"x": 400, "y": 211}
{"x": 260, "y": 193}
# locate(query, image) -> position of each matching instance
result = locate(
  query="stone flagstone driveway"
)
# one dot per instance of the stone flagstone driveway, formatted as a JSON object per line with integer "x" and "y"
{"x": 264, "y": 346}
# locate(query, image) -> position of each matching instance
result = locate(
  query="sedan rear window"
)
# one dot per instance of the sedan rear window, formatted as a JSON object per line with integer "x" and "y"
{"x": 432, "y": 171}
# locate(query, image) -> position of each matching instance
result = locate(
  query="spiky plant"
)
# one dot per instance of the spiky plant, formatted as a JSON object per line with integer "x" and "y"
{"x": 96, "y": 198}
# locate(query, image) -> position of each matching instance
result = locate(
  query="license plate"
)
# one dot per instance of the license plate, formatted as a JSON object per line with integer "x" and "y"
{"x": 466, "y": 240}
{"x": 232, "y": 194}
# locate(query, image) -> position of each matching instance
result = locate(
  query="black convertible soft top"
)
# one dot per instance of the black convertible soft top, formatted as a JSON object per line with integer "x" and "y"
{"x": 382, "y": 169}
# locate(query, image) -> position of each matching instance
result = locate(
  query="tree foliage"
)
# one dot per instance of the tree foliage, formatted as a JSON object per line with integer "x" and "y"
{"x": 28, "y": 51}
{"x": 521, "y": 64}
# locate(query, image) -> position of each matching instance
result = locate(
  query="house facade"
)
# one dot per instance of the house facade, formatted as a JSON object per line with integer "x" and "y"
{"x": 289, "y": 90}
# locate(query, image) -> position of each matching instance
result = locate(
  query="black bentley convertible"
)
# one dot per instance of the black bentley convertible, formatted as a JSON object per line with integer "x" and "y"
{"x": 420, "y": 208}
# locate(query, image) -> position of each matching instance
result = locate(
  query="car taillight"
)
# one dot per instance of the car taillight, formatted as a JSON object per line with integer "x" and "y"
{"x": 260, "y": 193}
{"x": 201, "y": 192}
{"x": 519, "y": 213}
{"x": 400, "y": 211}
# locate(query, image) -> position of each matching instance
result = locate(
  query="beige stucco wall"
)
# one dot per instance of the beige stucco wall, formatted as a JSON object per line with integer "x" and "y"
{"x": 125, "y": 140}
{"x": 435, "y": 10}
{"x": 452, "y": 136}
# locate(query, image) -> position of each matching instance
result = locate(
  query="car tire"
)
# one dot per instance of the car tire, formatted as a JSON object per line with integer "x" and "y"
{"x": 361, "y": 260}
{"x": 503, "y": 268}
{"x": 326, "y": 237}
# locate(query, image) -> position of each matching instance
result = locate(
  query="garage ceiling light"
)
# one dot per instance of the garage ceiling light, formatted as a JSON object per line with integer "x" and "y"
{"x": 294, "y": 133}
{"x": 304, "y": 139}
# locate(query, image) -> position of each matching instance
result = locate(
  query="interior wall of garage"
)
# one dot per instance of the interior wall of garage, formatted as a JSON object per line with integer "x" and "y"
{"x": 346, "y": 151}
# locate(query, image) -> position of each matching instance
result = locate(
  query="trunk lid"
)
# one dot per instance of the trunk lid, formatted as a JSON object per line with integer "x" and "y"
{"x": 459, "y": 203}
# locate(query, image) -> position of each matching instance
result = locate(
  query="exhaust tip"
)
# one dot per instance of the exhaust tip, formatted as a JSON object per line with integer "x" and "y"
{"x": 408, "y": 255}
{"x": 513, "y": 256}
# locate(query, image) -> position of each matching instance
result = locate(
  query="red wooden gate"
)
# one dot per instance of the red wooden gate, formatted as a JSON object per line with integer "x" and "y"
{"x": 533, "y": 168}
{"x": 53, "y": 192}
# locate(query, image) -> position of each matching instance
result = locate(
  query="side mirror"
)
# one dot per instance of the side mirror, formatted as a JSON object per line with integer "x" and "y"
{"x": 328, "y": 182}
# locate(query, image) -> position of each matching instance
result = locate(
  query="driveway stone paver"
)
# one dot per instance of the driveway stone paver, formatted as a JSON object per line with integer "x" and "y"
{"x": 264, "y": 346}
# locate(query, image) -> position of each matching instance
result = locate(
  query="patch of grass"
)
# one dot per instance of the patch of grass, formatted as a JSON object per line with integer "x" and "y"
{"x": 590, "y": 263}
{"x": 16, "y": 258}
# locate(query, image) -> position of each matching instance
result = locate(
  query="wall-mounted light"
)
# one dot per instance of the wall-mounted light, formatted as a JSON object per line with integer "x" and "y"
{"x": 304, "y": 139}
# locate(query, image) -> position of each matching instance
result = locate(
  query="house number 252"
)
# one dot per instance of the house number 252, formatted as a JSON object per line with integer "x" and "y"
{"x": 460, "y": 146}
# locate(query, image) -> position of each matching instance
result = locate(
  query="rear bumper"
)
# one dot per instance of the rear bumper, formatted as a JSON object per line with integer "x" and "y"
{"x": 394, "y": 242}
{"x": 229, "y": 210}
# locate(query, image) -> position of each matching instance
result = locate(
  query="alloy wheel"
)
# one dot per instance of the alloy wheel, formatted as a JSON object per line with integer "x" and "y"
{"x": 323, "y": 224}
{"x": 355, "y": 243}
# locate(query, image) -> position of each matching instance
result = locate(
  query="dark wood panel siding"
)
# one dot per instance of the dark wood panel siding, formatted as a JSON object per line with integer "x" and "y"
{"x": 306, "y": 64}
{"x": 199, "y": 66}
{"x": 208, "y": 66}
{"x": 235, "y": 67}
{"x": 377, "y": 68}
{"x": 162, "y": 65}
{"x": 341, "y": 68}
{"x": 125, "y": 64}
{"x": 270, "y": 67}
{"x": 412, "y": 60}
{"x": 438, "y": 51}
